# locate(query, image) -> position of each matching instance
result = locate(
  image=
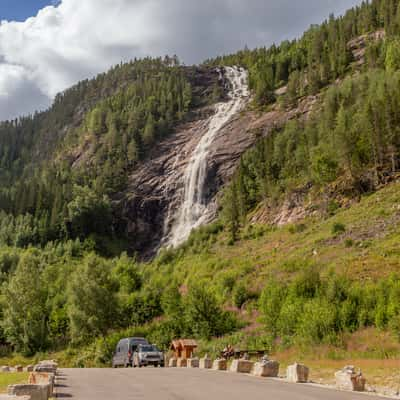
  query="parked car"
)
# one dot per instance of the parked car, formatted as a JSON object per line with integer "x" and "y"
{"x": 123, "y": 356}
{"x": 148, "y": 355}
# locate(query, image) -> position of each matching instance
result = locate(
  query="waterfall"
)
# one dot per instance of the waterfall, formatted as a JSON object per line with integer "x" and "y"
{"x": 193, "y": 211}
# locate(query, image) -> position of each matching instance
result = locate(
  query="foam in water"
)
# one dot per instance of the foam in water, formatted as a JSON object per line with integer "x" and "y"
{"x": 193, "y": 211}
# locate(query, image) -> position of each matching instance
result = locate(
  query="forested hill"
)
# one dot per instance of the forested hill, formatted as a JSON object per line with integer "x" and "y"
{"x": 78, "y": 153}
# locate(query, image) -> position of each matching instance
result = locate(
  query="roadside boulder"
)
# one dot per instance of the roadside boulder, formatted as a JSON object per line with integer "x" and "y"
{"x": 36, "y": 392}
{"x": 173, "y": 362}
{"x": 29, "y": 368}
{"x": 266, "y": 369}
{"x": 348, "y": 379}
{"x": 297, "y": 373}
{"x": 43, "y": 378}
{"x": 46, "y": 366}
{"x": 19, "y": 368}
{"x": 182, "y": 363}
{"x": 220, "y": 365}
{"x": 193, "y": 363}
{"x": 206, "y": 362}
{"x": 5, "y": 368}
{"x": 242, "y": 366}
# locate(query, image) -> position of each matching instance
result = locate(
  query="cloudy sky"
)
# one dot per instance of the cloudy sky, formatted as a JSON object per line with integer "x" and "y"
{"x": 48, "y": 45}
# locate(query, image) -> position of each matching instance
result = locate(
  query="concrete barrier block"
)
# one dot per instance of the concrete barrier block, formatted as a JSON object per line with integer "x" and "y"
{"x": 349, "y": 379}
{"x": 267, "y": 369}
{"x": 205, "y": 363}
{"x": 193, "y": 363}
{"x": 297, "y": 373}
{"x": 172, "y": 363}
{"x": 36, "y": 392}
{"x": 242, "y": 366}
{"x": 220, "y": 365}
{"x": 46, "y": 366}
{"x": 43, "y": 378}
{"x": 181, "y": 363}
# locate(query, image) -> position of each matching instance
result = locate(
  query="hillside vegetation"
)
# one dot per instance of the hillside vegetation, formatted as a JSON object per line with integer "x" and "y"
{"x": 69, "y": 283}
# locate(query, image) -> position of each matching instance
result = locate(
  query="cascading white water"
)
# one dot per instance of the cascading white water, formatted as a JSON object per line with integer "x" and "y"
{"x": 193, "y": 211}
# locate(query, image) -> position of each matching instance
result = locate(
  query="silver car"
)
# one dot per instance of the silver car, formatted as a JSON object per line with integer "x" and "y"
{"x": 148, "y": 355}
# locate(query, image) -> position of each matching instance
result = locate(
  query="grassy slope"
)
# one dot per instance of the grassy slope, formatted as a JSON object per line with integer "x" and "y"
{"x": 12, "y": 378}
{"x": 373, "y": 226}
{"x": 369, "y": 249}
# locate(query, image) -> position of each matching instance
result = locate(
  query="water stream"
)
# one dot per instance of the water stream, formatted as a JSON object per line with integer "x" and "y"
{"x": 193, "y": 211}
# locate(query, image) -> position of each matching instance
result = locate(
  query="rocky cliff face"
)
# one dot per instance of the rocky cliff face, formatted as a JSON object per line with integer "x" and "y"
{"x": 156, "y": 188}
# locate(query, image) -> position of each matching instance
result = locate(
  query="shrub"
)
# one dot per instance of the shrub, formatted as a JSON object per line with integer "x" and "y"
{"x": 298, "y": 228}
{"x": 349, "y": 243}
{"x": 338, "y": 228}
{"x": 240, "y": 295}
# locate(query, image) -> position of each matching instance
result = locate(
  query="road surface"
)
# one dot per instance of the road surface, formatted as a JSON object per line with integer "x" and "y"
{"x": 184, "y": 384}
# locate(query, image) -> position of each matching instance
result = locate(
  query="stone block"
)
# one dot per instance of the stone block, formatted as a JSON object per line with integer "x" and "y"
{"x": 297, "y": 373}
{"x": 267, "y": 369}
{"x": 220, "y": 365}
{"x": 19, "y": 368}
{"x": 181, "y": 363}
{"x": 36, "y": 392}
{"x": 5, "y": 368}
{"x": 46, "y": 366}
{"x": 193, "y": 363}
{"x": 172, "y": 363}
{"x": 349, "y": 379}
{"x": 43, "y": 378}
{"x": 242, "y": 366}
{"x": 29, "y": 368}
{"x": 205, "y": 363}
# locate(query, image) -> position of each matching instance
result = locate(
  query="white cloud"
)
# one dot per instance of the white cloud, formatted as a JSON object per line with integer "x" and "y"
{"x": 75, "y": 39}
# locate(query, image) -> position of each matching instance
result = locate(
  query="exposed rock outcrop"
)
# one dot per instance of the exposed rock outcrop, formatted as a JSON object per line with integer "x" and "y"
{"x": 156, "y": 188}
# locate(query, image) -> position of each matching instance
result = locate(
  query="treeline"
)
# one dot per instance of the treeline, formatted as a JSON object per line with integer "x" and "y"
{"x": 77, "y": 299}
{"x": 354, "y": 136}
{"x": 318, "y": 58}
{"x": 66, "y": 294}
{"x": 317, "y": 310}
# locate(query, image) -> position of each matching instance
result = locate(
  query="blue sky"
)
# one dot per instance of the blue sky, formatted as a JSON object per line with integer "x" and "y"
{"x": 19, "y": 10}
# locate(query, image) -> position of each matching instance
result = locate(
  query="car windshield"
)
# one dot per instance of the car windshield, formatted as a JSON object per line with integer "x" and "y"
{"x": 146, "y": 349}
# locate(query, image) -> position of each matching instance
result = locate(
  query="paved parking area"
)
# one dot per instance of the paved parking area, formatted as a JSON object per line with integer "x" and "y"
{"x": 184, "y": 384}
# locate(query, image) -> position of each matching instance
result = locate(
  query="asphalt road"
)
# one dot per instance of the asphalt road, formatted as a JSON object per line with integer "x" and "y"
{"x": 184, "y": 384}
